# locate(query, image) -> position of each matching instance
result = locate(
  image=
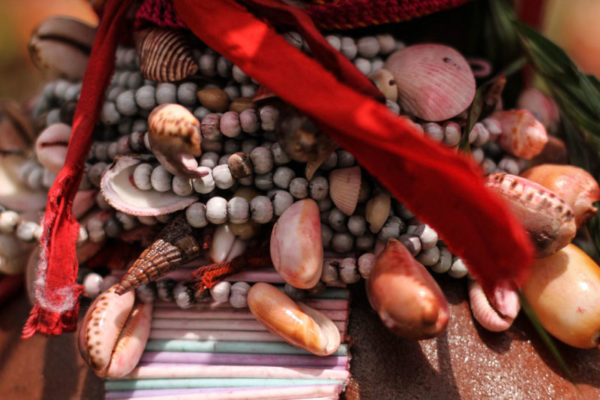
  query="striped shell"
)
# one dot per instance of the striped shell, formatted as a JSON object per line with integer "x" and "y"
{"x": 174, "y": 246}
{"x": 434, "y": 81}
{"x": 165, "y": 56}
{"x": 345, "y": 187}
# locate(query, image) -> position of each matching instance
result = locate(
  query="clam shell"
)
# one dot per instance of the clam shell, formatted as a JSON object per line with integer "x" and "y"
{"x": 51, "y": 146}
{"x": 344, "y": 188}
{"x": 434, "y": 81}
{"x": 378, "y": 210}
{"x": 118, "y": 191}
{"x": 165, "y": 55}
{"x": 522, "y": 134}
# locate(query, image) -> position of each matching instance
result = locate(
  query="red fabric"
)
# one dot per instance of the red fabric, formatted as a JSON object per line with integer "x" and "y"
{"x": 442, "y": 188}
{"x": 56, "y": 293}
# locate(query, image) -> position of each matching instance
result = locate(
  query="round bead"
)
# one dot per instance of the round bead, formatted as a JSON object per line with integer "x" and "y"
{"x": 195, "y": 215}
{"x": 348, "y": 47}
{"x": 186, "y": 93}
{"x": 205, "y": 184}
{"x": 112, "y": 227}
{"x": 95, "y": 172}
{"x": 357, "y": 225}
{"x": 345, "y": 159}
{"x": 283, "y": 176}
{"x": 488, "y": 165}
{"x": 230, "y": 124}
{"x": 53, "y": 117}
{"x": 299, "y": 187}
{"x": 113, "y": 93}
{"x": 216, "y": 210}
{"x": 248, "y": 90}
{"x": 209, "y": 159}
{"x": 144, "y": 97}
{"x": 412, "y": 243}
{"x": 109, "y": 114}
{"x": 330, "y": 162}
{"x": 444, "y": 263}
{"x": 239, "y": 295}
{"x": 100, "y": 150}
{"x": 238, "y": 210}
{"x": 334, "y": 41}
{"x": 478, "y": 155}
{"x": 342, "y": 242}
{"x": 279, "y": 155}
{"x": 91, "y": 284}
{"x": 363, "y": 65}
{"x": 366, "y": 262}
{"x": 160, "y": 179}
{"x": 145, "y": 293}
{"x": 365, "y": 242}
{"x": 164, "y": 289}
{"x": 207, "y": 64}
{"x": 368, "y": 46}
{"x": 249, "y": 121}
{"x": 264, "y": 181}
{"x": 326, "y": 235}
{"x": 458, "y": 269}
{"x": 483, "y": 135}
{"x": 261, "y": 209}
{"x": 240, "y": 165}
{"x": 451, "y": 134}
{"x": 26, "y": 230}
{"x": 509, "y": 165}
{"x": 231, "y": 146}
{"x": 147, "y": 220}
{"x": 224, "y": 67}
{"x": 387, "y": 43}
{"x": 182, "y": 186}
{"x": 183, "y": 296}
{"x": 262, "y": 160}
{"x": 212, "y": 146}
{"x": 166, "y": 93}
{"x": 391, "y": 229}
{"x": 126, "y": 103}
{"x": 127, "y": 221}
{"x": 233, "y": 92}
{"x": 337, "y": 220}
{"x": 330, "y": 275}
{"x": 201, "y": 112}
{"x": 429, "y": 257}
{"x": 393, "y": 107}
{"x": 134, "y": 80}
{"x": 239, "y": 75}
{"x": 428, "y": 236}
{"x": 136, "y": 141}
{"x": 222, "y": 176}
{"x": 248, "y": 145}
{"x": 319, "y": 188}
{"x": 493, "y": 126}
{"x": 348, "y": 271}
{"x": 434, "y": 131}
{"x": 60, "y": 88}
{"x": 268, "y": 117}
{"x": 8, "y": 221}
{"x": 220, "y": 292}
{"x": 34, "y": 180}
{"x": 281, "y": 201}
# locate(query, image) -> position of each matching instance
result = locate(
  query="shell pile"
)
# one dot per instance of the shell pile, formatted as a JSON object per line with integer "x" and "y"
{"x": 192, "y": 165}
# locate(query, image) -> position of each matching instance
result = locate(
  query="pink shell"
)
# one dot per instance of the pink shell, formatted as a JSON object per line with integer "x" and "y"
{"x": 434, "y": 81}
{"x": 485, "y": 313}
{"x": 522, "y": 134}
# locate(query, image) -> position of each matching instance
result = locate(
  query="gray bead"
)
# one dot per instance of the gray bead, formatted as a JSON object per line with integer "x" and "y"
{"x": 299, "y": 188}
{"x": 337, "y": 220}
{"x": 113, "y": 93}
{"x": 101, "y": 202}
{"x": 391, "y": 229}
{"x": 264, "y": 181}
{"x": 208, "y": 65}
{"x": 60, "y": 88}
{"x": 216, "y": 210}
{"x": 247, "y": 180}
{"x": 201, "y": 112}
{"x": 126, "y": 103}
{"x": 268, "y": 117}
{"x": 366, "y": 262}
{"x": 72, "y": 93}
{"x": 363, "y": 65}
{"x": 331, "y": 162}
{"x": 134, "y": 80}
{"x": 248, "y": 90}
{"x": 139, "y": 125}
{"x": 377, "y": 63}
{"x": 164, "y": 289}
{"x": 109, "y": 114}
{"x": 239, "y": 295}
{"x": 294, "y": 38}
{"x": 34, "y": 179}
{"x": 325, "y": 204}
{"x": 279, "y": 155}
{"x": 393, "y": 106}
{"x": 488, "y": 165}
{"x": 444, "y": 263}
{"x": 141, "y": 176}
{"x": 145, "y": 293}
{"x": 493, "y": 126}
{"x": 221, "y": 291}
{"x": 262, "y": 159}
{"x": 348, "y": 271}
{"x": 249, "y": 121}
{"x": 209, "y": 159}
{"x": 357, "y": 225}
{"x": 478, "y": 155}
{"x": 95, "y": 172}
{"x": 319, "y": 188}
{"x": 222, "y": 176}
{"x": 348, "y": 47}
{"x": 238, "y": 210}
{"x": 112, "y": 228}
{"x": 239, "y": 75}
{"x": 335, "y": 41}
{"x": 387, "y": 43}
{"x": 330, "y": 274}
{"x": 452, "y": 134}
{"x": 345, "y": 159}
{"x": 294, "y": 293}
{"x": 283, "y": 176}
{"x": 144, "y": 97}
{"x": 483, "y": 135}
{"x": 112, "y": 151}
{"x": 166, "y": 93}
{"x": 231, "y": 146}
{"x": 326, "y": 235}
{"x": 195, "y": 215}
{"x": 342, "y": 242}
{"x": 261, "y": 209}
{"x": 368, "y": 46}
{"x": 182, "y": 186}
{"x": 509, "y": 165}
{"x": 186, "y": 93}
{"x": 458, "y": 269}
{"x": 281, "y": 201}
{"x": 224, "y": 67}
{"x": 160, "y": 179}
{"x": 205, "y": 184}
{"x": 101, "y": 151}
{"x": 411, "y": 242}
{"x": 233, "y": 92}
{"x": 427, "y": 235}
{"x": 434, "y": 131}
{"x": 365, "y": 242}
{"x": 248, "y": 145}
{"x": 429, "y": 257}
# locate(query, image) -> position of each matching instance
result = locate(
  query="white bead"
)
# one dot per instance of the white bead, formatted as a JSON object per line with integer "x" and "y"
{"x": 160, "y": 179}
{"x": 220, "y": 292}
{"x": 186, "y": 93}
{"x": 238, "y": 210}
{"x": 222, "y": 176}
{"x": 8, "y": 221}
{"x": 144, "y": 97}
{"x": 319, "y": 188}
{"x": 262, "y": 160}
{"x": 334, "y": 41}
{"x": 368, "y": 46}
{"x": 283, "y": 176}
{"x": 239, "y": 294}
{"x": 82, "y": 236}
{"x": 166, "y": 93}
{"x": 348, "y": 47}
{"x": 230, "y": 124}
{"x": 387, "y": 43}
{"x": 363, "y": 65}
{"x": 428, "y": 236}
{"x": 72, "y": 93}
{"x": 109, "y": 114}
{"x": 281, "y": 201}
{"x": 493, "y": 126}
{"x": 60, "y": 88}
{"x": 488, "y": 166}
{"x": 53, "y": 117}
{"x": 434, "y": 131}
{"x": 429, "y": 257}
{"x": 444, "y": 263}
{"x": 509, "y": 165}
{"x": 216, "y": 210}
{"x": 92, "y": 284}
{"x": 182, "y": 186}
{"x": 248, "y": 90}
{"x": 452, "y": 134}
{"x": 209, "y": 159}
{"x": 126, "y": 103}
{"x": 195, "y": 215}
{"x": 181, "y": 295}
{"x": 348, "y": 271}
{"x": 95, "y": 228}
{"x": 366, "y": 262}
{"x": 205, "y": 184}
{"x": 478, "y": 155}
{"x": 26, "y": 230}
{"x": 458, "y": 269}
{"x": 357, "y": 225}
{"x": 294, "y": 38}
{"x": 299, "y": 188}
{"x": 261, "y": 209}
{"x": 377, "y": 63}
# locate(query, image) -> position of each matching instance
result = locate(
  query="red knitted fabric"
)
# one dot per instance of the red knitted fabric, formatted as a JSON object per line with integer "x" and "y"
{"x": 158, "y": 13}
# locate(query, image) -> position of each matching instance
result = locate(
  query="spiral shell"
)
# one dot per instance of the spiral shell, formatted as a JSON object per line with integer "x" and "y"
{"x": 174, "y": 246}
{"x": 165, "y": 56}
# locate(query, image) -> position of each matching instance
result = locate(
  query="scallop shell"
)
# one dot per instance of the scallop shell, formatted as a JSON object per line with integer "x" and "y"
{"x": 434, "y": 81}
{"x": 118, "y": 191}
{"x": 522, "y": 134}
{"x": 378, "y": 210}
{"x": 165, "y": 55}
{"x": 344, "y": 188}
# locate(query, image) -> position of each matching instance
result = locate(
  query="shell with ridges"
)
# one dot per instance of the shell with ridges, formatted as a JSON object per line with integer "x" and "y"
{"x": 345, "y": 188}
{"x": 378, "y": 210}
{"x": 165, "y": 55}
{"x": 487, "y": 314}
{"x": 175, "y": 245}
{"x": 119, "y": 191}
{"x": 434, "y": 81}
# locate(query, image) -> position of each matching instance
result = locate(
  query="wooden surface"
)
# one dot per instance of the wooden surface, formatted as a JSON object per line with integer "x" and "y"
{"x": 465, "y": 363}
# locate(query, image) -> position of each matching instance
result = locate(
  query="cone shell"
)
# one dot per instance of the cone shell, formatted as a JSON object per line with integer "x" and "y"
{"x": 165, "y": 55}
{"x": 405, "y": 296}
{"x": 344, "y": 186}
{"x": 522, "y": 135}
{"x": 434, "y": 81}
{"x": 549, "y": 221}
{"x": 574, "y": 185}
{"x": 118, "y": 191}
{"x": 564, "y": 292}
{"x": 175, "y": 245}
{"x": 296, "y": 323}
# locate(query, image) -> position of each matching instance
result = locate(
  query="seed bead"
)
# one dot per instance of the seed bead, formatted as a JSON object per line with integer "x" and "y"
{"x": 488, "y": 165}
{"x": 478, "y": 155}
{"x": 239, "y": 295}
{"x": 186, "y": 93}
{"x": 224, "y": 67}
{"x": 335, "y": 41}
{"x": 238, "y": 75}
{"x": 434, "y": 131}
{"x": 232, "y": 91}
{"x": 222, "y": 176}
{"x": 216, "y": 210}
{"x": 444, "y": 263}
{"x": 458, "y": 269}
{"x": 281, "y": 201}
{"x": 95, "y": 228}
{"x": 368, "y": 46}
{"x": 205, "y": 184}
{"x": 493, "y": 126}
{"x": 429, "y": 257}
{"x": 319, "y": 188}
{"x": 366, "y": 262}
{"x": 160, "y": 179}
{"x": 342, "y": 242}
{"x": 145, "y": 97}
{"x": 261, "y": 209}
{"x": 299, "y": 187}
{"x": 182, "y": 186}
{"x": 357, "y": 225}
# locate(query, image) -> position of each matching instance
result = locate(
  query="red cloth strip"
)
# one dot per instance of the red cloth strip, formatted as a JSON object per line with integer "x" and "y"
{"x": 442, "y": 188}
{"x": 56, "y": 292}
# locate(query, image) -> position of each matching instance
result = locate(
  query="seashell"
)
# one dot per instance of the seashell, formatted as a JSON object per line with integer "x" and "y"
{"x": 222, "y": 243}
{"x": 14, "y": 194}
{"x": 16, "y": 132}
{"x": 165, "y": 55}
{"x": 549, "y": 221}
{"x": 384, "y": 80}
{"x": 113, "y": 333}
{"x": 241, "y": 104}
{"x": 215, "y": 99}
{"x": 498, "y": 313}
{"x": 296, "y": 245}
{"x": 174, "y": 135}
{"x": 118, "y": 191}
{"x": 296, "y": 323}
{"x": 435, "y": 82}
{"x": 574, "y": 185}
{"x": 344, "y": 188}
{"x": 408, "y": 300}
{"x": 61, "y": 46}
{"x": 377, "y": 211}
{"x": 174, "y": 245}
{"x": 522, "y": 135}
{"x": 51, "y": 146}
{"x": 564, "y": 292}
{"x": 543, "y": 107}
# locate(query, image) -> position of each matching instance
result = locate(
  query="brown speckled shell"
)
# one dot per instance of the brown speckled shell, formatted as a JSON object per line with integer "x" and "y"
{"x": 165, "y": 55}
